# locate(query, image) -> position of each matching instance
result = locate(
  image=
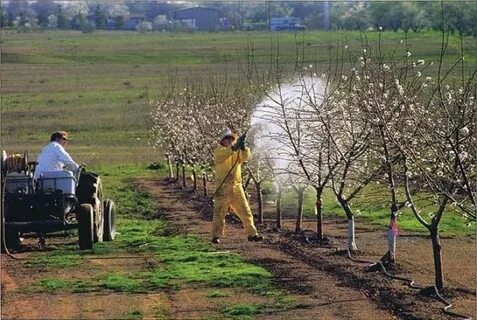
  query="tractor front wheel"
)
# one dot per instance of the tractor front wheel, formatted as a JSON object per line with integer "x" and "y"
{"x": 85, "y": 216}
{"x": 109, "y": 220}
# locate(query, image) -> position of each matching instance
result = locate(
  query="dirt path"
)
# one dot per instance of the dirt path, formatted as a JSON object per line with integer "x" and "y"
{"x": 322, "y": 296}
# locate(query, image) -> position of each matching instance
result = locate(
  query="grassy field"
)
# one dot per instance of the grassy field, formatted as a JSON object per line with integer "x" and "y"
{"x": 97, "y": 86}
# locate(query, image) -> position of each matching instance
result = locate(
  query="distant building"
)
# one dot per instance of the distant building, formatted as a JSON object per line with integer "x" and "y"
{"x": 133, "y": 21}
{"x": 285, "y": 23}
{"x": 129, "y": 23}
{"x": 199, "y": 18}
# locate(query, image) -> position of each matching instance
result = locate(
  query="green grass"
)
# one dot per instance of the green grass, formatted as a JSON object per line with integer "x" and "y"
{"x": 53, "y": 284}
{"x": 117, "y": 185}
{"x": 55, "y": 259}
{"x": 120, "y": 283}
{"x": 244, "y": 311}
{"x": 217, "y": 294}
{"x": 181, "y": 260}
{"x": 135, "y": 315}
{"x": 96, "y": 86}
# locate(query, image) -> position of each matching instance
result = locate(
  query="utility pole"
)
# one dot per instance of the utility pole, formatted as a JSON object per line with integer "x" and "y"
{"x": 326, "y": 15}
{"x": 240, "y": 22}
{"x": 268, "y": 15}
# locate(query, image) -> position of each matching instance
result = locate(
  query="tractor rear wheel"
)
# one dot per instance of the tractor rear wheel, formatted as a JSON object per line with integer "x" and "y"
{"x": 109, "y": 220}
{"x": 85, "y": 226}
{"x": 90, "y": 191}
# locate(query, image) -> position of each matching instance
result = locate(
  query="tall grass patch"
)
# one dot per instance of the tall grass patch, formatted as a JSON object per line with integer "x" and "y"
{"x": 373, "y": 207}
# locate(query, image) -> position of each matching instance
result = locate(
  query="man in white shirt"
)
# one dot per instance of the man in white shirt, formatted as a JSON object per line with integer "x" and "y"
{"x": 54, "y": 157}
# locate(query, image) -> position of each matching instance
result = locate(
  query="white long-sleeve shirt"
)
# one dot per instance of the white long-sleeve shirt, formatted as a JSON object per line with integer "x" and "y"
{"x": 54, "y": 157}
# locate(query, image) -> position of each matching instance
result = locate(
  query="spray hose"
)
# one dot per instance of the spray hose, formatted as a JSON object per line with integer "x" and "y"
{"x": 412, "y": 284}
{"x": 225, "y": 179}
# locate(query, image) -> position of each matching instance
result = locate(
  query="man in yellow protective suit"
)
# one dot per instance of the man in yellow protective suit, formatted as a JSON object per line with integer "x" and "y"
{"x": 228, "y": 158}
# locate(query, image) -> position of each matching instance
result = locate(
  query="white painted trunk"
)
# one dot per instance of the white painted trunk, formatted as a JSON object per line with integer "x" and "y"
{"x": 351, "y": 236}
{"x": 391, "y": 243}
{"x": 169, "y": 163}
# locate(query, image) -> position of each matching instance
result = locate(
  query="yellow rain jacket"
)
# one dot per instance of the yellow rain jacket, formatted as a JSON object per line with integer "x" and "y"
{"x": 231, "y": 193}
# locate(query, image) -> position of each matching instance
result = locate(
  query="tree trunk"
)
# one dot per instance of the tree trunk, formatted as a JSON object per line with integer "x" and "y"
{"x": 351, "y": 236}
{"x": 319, "y": 213}
{"x": 194, "y": 176}
{"x": 171, "y": 170}
{"x": 258, "y": 186}
{"x": 183, "y": 177}
{"x": 299, "y": 218}
{"x": 204, "y": 184}
{"x": 351, "y": 229}
{"x": 245, "y": 186}
{"x": 390, "y": 256}
{"x": 436, "y": 250}
{"x": 177, "y": 171}
{"x": 279, "y": 208}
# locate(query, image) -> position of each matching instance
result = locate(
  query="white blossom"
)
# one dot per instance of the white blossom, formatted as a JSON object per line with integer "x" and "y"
{"x": 464, "y": 131}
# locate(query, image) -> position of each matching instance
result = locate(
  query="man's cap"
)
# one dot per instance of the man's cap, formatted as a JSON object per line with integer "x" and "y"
{"x": 227, "y": 133}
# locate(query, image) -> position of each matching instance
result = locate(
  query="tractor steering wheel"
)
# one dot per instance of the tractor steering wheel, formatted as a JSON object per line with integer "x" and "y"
{"x": 81, "y": 168}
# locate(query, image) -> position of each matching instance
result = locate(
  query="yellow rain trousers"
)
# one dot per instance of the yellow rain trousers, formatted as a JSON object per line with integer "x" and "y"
{"x": 230, "y": 194}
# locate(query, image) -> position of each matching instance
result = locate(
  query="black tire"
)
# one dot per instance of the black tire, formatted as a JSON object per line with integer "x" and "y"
{"x": 11, "y": 240}
{"x": 90, "y": 190}
{"x": 85, "y": 226}
{"x": 10, "y": 237}
{"x": 109, "y": 220}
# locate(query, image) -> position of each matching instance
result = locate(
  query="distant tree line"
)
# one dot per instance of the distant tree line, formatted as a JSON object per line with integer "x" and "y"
{"x": 88, "y": 15}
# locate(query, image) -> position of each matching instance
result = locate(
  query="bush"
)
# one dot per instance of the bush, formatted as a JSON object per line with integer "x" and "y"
{"x": 156, "y": 166}
{"x": 144, "y": 27}
{"x": 268, "y": 188}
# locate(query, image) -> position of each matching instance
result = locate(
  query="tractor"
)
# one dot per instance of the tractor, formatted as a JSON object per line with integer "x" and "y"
{"x": 54, "y": 201}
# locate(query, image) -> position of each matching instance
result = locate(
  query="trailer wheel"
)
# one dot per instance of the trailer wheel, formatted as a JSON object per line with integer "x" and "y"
{"x": 109, "y": 213}
{"x": 85, "y": 216}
